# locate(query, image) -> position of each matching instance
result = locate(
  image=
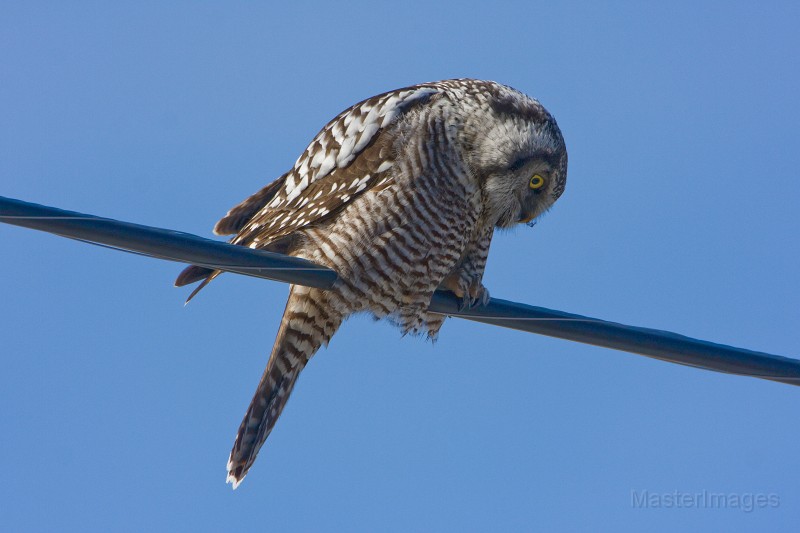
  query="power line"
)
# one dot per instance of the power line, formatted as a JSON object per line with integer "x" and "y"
{"x": 187, "y": 248}
{"x": 165, "y": 244}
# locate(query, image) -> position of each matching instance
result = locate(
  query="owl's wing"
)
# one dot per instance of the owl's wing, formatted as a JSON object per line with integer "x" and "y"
{"x": 350, "y": 155}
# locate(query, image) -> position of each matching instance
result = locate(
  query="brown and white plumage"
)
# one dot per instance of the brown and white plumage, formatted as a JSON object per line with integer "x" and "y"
{"x": 400, "y": 194}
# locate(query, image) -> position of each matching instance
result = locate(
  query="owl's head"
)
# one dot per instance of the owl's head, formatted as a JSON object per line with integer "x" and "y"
{"x": 517, "y": 150}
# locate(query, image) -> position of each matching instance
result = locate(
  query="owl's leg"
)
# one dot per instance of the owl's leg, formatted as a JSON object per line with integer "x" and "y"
{"x": 465, "y": 281}
{"x": 308, "y": 321}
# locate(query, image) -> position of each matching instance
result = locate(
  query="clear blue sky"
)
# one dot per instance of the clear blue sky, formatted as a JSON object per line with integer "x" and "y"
{"x": 119, "y": 406}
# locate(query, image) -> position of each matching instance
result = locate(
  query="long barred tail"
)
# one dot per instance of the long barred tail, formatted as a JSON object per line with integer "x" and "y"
{"x": 308, "y": 322}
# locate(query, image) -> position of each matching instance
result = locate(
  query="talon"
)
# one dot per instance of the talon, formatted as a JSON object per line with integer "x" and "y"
{"x": 479, "y": 294}
{"x": 485, "y": 297}
{"x": 463, "y": 303}
{"x": 469, "y": 294}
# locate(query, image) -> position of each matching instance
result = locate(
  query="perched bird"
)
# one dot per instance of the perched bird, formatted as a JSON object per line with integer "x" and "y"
{"x": 400, "y": 195}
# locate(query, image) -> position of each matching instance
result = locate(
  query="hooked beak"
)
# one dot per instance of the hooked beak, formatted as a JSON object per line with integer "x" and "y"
{"x": 526, "y": 216}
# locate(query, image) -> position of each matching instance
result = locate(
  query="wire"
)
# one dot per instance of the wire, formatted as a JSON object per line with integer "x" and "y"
{"x": 187, "y": 248}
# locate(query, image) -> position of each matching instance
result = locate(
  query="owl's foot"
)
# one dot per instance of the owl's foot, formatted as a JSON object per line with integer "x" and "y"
{"x": 470, "y": 294}
{"x": 479, "y": 295}
{"x": 483, "y": 297}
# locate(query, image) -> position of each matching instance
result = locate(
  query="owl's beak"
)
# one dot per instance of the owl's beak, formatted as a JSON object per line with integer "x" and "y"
{"x": 526, "y": 216}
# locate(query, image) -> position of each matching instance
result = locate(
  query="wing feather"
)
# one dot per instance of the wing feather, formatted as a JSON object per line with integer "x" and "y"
{"x": 351, "y": 154}
{"x": 238, "y": 216}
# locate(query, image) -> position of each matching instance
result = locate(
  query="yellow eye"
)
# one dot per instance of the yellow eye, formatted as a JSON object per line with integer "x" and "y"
{"x": 537, "y": 182}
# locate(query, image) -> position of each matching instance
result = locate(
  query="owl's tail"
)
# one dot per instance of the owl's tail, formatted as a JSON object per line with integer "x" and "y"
{"x": 307, "y": 323}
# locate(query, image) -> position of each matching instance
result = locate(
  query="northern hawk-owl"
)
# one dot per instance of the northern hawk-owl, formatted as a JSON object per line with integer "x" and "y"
{"x": 400, "y": 195}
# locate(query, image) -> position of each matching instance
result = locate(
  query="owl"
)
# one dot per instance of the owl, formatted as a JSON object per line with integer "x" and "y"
{"x": 400, "y": 195}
